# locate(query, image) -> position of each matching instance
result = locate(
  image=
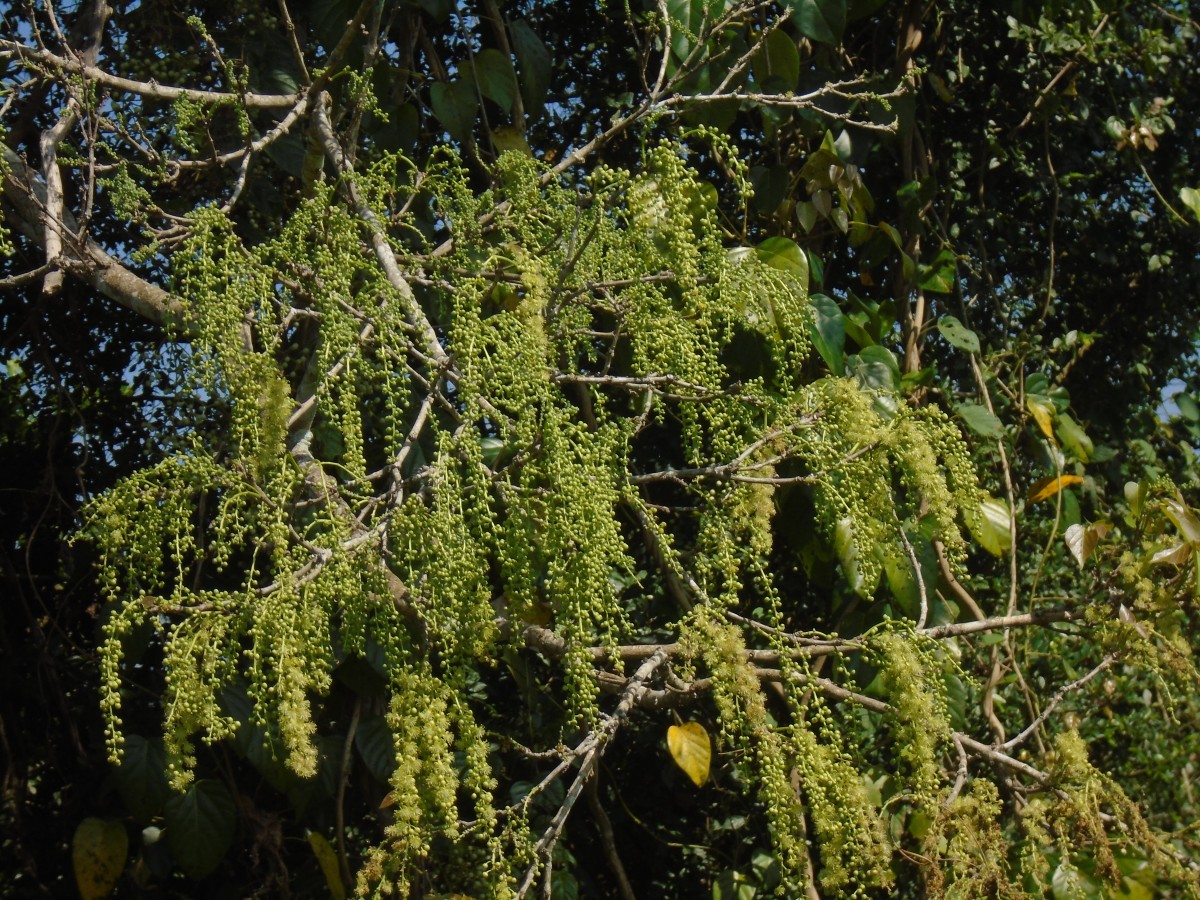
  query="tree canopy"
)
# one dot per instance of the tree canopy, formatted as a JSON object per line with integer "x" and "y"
{"x": 652, "y": 448}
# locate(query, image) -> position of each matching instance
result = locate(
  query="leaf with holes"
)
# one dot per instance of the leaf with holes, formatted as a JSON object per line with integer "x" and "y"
{"x": 691, "y": 749}
{"x": 958, "y": 334}
{"x": 98, "y": 852}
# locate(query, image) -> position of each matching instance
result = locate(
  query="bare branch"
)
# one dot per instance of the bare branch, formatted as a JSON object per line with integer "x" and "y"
{"x": 52, "y": 63}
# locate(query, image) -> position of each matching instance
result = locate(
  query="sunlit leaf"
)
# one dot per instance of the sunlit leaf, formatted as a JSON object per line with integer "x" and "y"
{"x": 783, "y": 254}
{"x": 828, "y": 332}
{"x": 1188, "y": 408}
{"x": 1043, "y": 413}
{"x": 958, "y": 334}
{"x": 1175, "y": 556}
{"x": 98, "y": 852}
{"x": 1135, "y": 496}
{"x": 1191, "y": 199}
{"x": 1185, "y": 520}
{"x": 1082, "y": 539}
{"x": 1074, "y": 438}
{"x": 509, "y": 138}
{"x": 849, "y": 555}
{"x": 939, "y": 276}
{"x": 980, "y": 420}
{"x": 991, "y": 526}
{"x": 691, "y": 749}
{"x": 1049, "y": 486}
{"x": 328, "y": 861}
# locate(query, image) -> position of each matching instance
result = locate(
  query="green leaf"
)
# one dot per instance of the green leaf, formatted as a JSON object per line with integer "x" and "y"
{"x": 1073, "y": 437}
{"x": 989, "y": 525}
{"x": 1188, "y": 408}
{"x": 439, "y": 10}
{"x": 536, "y": 66}
{"x": 141, "y": 777}
{"x": 691, "y": 749}
{"x": 455, "y": 105}
{"x": 784, "y": 254}
{"x": 777, "y": 63}
{"x": 98, "y": 852}
{"x": 876, "y": 369}
{"x": 1135, "y": 496}
{"x": 199, "y": 825}
{"x": 821, "y": 20}
{"x": 806, "y": 215}
{"x": 828, "y": 332}
{"x": 980, "y": 420}
{"x": 496, "y": 78}
{"x": 376, "y": 746}
{"x": 958, "y": 334}
{"x": 1191, "y": 199}
{"x": 849, "y": 555}
{"x": 1071, "y": 883}
{"x": 939, "y": 275}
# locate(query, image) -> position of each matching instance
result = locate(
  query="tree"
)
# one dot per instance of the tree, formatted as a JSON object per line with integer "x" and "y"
{"x": 483, "y": 430}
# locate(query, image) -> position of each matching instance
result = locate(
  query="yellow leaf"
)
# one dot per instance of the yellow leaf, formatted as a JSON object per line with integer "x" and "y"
{"x": 691, "y": 750}
{"x": 328, "y": 861}
{"x": 98, "y": 853}
{"x": 1048, "y": 487}
{"x": 1043, "y": 414}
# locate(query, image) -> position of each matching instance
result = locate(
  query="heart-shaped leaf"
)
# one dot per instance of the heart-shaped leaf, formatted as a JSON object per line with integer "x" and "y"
{"x": 200, "y": 824}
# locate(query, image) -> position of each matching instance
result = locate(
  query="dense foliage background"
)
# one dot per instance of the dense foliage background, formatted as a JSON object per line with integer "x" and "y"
{"x": 412, "y": 410}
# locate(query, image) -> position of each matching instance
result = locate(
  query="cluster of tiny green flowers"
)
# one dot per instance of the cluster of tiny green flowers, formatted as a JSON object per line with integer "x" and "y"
{"x": 444, "y": 561}
{"x": 744, "y": 724}
{"x": 964, "y": 849}
{"x": 424, "y": 782}
{"x": 911, "y": 678}
{"x": 533, "y": 528}
{"x": 854, "y": 850}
